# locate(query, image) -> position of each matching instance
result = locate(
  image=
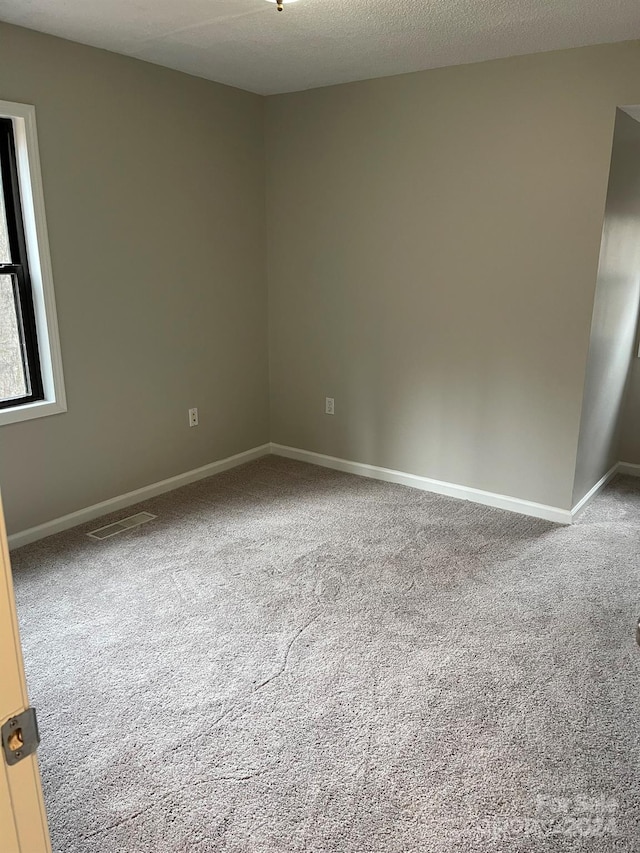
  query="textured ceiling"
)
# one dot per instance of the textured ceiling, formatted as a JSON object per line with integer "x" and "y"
{"x": 247, "y": 43}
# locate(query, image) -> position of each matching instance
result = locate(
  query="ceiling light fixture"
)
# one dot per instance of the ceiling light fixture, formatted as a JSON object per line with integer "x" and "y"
{"x": 279, "y": 3}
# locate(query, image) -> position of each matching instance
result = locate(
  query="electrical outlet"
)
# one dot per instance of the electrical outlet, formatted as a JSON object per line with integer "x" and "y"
{"x": 193, "y": 417}
{"x": 329, "y": 406}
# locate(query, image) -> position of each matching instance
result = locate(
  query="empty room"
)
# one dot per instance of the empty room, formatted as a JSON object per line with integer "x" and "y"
{"x": 319, "y": 426}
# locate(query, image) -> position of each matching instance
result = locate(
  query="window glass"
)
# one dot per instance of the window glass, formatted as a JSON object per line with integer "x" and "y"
{"x": 5, "y": 254}
{"x": 13, "y": 381}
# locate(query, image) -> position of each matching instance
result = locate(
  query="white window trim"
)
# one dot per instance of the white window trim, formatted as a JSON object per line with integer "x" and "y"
{"x": 35, "y": 227}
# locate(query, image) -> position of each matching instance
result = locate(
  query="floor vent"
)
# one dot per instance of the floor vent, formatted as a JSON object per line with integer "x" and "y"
{"x": 122, "y": 525}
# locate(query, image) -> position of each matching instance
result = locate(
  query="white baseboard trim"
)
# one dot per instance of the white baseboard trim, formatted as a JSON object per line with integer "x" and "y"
{"x": 427, "y": 484}
{"x": 56, "y": 525}
{"x": 602, "y": 482}
{"x": 629, "y": 468}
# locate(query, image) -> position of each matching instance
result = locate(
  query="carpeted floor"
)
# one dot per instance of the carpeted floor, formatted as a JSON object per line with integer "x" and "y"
{"x": 295, "y": 659}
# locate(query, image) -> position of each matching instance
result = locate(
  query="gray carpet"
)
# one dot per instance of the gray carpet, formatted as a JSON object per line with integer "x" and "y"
{"x": 294, "y": 659}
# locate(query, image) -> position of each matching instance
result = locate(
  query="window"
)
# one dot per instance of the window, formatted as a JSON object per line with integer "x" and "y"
{"x": 31, "y": 383}
{"x": 20, "y": 375}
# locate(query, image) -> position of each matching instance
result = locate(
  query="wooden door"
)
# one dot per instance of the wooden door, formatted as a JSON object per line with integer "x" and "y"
{"x": 23, "y": 821}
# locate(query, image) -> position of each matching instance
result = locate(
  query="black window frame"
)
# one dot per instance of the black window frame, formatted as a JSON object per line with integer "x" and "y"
{"x": 18, "y": 269}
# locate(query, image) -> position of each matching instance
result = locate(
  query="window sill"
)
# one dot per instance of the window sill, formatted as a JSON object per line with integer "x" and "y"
{"x": 31, "y": 410}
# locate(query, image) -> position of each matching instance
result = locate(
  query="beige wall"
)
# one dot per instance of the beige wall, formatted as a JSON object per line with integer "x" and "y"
{"x": 629, "y": 449}
{"x": 433, "y": 248}
{"x": 615, "y": 313}
{"x": 630, "y": 429}
{"x": 154, "y": 190}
